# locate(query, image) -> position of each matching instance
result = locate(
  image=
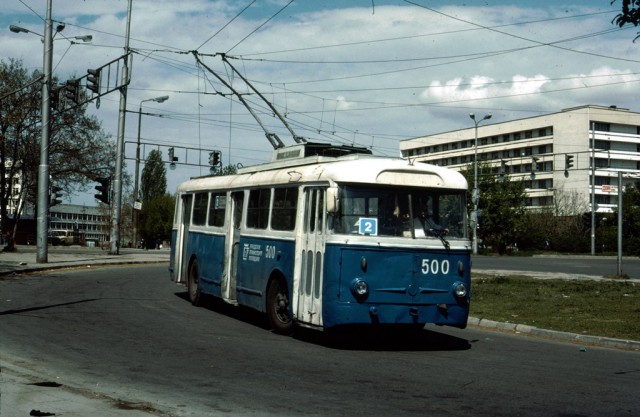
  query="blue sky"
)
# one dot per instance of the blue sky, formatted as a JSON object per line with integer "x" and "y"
{"x": 371, "y": 73}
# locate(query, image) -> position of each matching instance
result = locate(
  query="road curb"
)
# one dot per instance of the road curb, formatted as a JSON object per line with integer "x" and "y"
{"x": 580, "y": 339}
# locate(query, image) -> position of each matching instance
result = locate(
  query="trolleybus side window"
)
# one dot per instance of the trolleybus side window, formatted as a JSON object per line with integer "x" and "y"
{"x": 258, "y": 210}
{"x": 283, "y": 215}
{"x": 200, "y": 203}
{"x": 217, "y": 207}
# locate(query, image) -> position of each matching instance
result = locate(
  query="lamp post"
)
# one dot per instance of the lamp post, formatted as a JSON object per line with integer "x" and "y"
{"x": 160, "y": 99}
{"x": 476, "y": 192}
{"x": 42, "y": 216}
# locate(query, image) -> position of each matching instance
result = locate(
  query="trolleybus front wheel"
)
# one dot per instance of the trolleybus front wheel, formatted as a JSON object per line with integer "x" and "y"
{"x": 278, "y": 307}
{"x": 193, "y": 286}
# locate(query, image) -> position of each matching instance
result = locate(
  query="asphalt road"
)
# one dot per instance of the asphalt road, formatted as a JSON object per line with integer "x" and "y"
{"x": 565, "y": 264}
{"x": 129, "y": 333}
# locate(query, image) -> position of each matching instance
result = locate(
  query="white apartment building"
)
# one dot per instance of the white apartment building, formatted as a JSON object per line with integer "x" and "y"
{"x": 542, "y": 145}
{"x": 15, "y": 193}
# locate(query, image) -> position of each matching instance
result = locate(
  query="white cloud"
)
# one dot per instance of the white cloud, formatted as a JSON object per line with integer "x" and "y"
{"x": 354, "y": 73}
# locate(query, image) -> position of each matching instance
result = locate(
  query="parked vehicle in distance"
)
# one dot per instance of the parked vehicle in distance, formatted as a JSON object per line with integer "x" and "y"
{"x": 64, "y": 237}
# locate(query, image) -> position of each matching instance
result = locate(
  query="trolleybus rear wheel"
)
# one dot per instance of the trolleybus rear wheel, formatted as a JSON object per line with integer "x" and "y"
{"x": 193, "y": 284}
{"x": 278, "y": 307}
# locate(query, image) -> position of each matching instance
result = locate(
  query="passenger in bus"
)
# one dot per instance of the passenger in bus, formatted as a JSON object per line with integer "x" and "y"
{"x": 425, "y": 226}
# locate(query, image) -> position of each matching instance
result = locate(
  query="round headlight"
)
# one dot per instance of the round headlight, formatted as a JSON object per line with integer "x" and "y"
{"x": 360, "y": 289}
{"x": 460, "y": 290}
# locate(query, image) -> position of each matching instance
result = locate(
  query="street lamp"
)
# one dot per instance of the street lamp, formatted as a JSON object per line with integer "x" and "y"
{"x": 476, "y": 192}
{"x": 59, "y": 28}
{"x": 160, "y": 99}
{"x": 42, "y": 215}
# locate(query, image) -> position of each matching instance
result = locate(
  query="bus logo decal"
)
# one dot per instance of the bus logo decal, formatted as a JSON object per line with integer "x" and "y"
{"x": 252, "y": 252}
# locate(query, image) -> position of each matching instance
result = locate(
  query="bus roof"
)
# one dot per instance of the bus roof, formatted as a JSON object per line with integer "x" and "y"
{"x": 355, "y": 168}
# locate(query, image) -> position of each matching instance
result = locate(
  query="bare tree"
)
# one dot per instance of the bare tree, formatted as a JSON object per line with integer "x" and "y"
{"x": 79, "y": 150}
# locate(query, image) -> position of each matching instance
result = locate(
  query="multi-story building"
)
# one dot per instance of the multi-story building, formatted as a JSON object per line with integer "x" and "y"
{"x": 553, "y": 154}
{"x": 15, "y": 194}
{"x": 91, "y": 223}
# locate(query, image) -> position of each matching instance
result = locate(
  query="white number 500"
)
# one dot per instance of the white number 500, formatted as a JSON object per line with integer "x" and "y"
{"x": 432, "y": 266}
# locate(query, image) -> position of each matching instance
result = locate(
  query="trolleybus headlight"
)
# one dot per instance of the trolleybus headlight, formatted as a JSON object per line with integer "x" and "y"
{"x": 360, "y": 289}
{"x": 460, "y": 290}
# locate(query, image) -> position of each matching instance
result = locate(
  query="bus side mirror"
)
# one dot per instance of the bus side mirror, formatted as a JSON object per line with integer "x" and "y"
{"x": 332, "y": 199}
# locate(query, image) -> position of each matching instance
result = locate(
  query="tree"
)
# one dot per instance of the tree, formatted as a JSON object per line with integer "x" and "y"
{"x": 228, "y": 170}
{"x": 157, "y": 217}
{"x": 630, "y": 14}
{"x": 79, "y": 150}
{"x": 631, "y": 218}
{"x": 154, "y": 177}
{"x": 157, "y": 206}
{"x": 501, "y": 207}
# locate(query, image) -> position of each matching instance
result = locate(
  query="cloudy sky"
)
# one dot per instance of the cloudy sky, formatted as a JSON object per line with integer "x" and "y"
{"x": 364, "y": 72}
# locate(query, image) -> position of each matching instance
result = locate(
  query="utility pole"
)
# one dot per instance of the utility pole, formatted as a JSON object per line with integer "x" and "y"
{"x": 42, "y": 226}
{"x": 114, "y": 244}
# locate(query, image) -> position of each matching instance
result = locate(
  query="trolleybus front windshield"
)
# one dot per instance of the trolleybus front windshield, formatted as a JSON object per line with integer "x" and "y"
{"x": 401, "y": 211}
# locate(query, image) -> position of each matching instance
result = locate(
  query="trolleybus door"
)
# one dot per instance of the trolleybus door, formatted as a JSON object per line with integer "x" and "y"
{"x": 233, "y": 243}
{"x": 311, "y": 257}
{"x": 182, "y": 238}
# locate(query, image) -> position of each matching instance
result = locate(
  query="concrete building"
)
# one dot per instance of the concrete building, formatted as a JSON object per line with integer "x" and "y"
{"x": 92, "y": 224}
{"x": 552, "y": 153}
{"x": 15, "y": 194}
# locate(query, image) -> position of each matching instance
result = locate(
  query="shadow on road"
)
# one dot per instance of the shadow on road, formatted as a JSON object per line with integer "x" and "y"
{"x": 26, "y": 310}
{"x": 362, "y": 337}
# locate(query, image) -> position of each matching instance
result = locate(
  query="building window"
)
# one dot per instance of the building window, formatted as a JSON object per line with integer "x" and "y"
{"x": 542, "y": 132}
{"x": 516, "y": 136}
{"x": 603, "y": 127}
{"x": 528, "y": 134}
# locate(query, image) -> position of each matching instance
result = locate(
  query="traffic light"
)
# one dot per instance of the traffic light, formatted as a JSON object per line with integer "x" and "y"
{"x": 72, "y": 91}
{"x": 568, "y": 161}
{"x": 172, "y": 158}
{"x": 93, "y": 80}
{"x": 214, "y": 158}
{"x": 503, "y": 169}
{"x": 534, "y": 166}
{"x": 104, "y": 188}
{"x": 54, "y": 98}
{"x": 55, "y": 195}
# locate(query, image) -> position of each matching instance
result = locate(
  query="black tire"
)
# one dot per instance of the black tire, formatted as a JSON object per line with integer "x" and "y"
{"x": 278, "y": 307}
{"x": 193, "y": 284}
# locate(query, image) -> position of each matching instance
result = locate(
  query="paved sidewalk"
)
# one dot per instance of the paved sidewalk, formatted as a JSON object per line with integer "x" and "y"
{"x": 24, "y": 259}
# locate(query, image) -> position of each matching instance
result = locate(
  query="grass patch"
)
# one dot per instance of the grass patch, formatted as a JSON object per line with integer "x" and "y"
{"x": 597, "y": 308}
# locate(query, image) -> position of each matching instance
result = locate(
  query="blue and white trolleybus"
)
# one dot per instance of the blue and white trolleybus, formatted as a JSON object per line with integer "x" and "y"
{"x": 322, "y": 238}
